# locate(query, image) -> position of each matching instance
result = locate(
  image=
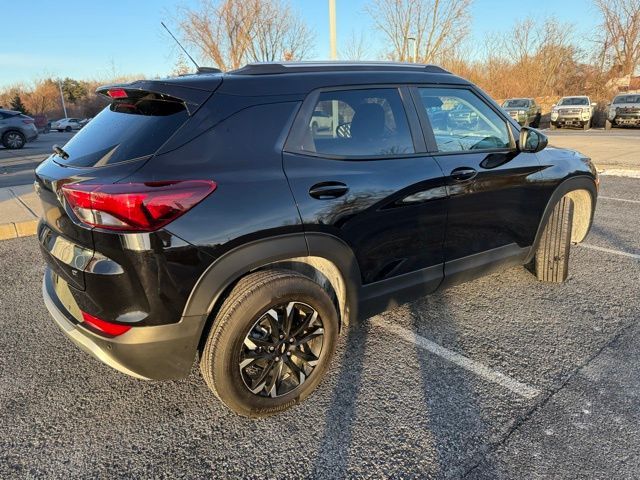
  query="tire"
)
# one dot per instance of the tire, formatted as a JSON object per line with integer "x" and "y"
{"x": 536, "y": 121}
{"x": 586, "y": 125}
{"x": 60, "y": 130}
{"x": 13, "y": 140}
{"x": 244, "y": 319}
{"x": 608, "y": 125}
{"x": 553, "y": 126}
{"x": 551, "y": 261}
{"x": 67, "y": 129}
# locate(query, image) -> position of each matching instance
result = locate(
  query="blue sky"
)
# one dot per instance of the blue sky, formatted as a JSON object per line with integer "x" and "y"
{"x": 94, "y": 40}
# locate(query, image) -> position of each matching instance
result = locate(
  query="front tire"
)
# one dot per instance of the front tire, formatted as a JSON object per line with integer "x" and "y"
{"x": 551, "y": 262}
{"x": 67, "y": 129}
{"x": 586, "y": 125}
{"x": 271, "y": 343}
{"x": 608, "y": 125}
{"x": 553, "y": 126}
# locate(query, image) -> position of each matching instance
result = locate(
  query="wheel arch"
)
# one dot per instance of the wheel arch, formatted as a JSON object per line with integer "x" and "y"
{"x": 322, "y": 257}
{"x": 584, "y": 193}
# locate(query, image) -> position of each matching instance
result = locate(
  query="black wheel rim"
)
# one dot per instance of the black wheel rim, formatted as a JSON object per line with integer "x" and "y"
{"x": 281, "y": 349}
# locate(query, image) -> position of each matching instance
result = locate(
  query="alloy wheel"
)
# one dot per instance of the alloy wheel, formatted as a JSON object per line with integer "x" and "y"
{"x": 13, "y": 140}
{"x": 281, "y": 349}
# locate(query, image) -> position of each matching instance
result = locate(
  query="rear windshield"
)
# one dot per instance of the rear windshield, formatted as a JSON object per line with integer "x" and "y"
{"x": 131, "y": 127}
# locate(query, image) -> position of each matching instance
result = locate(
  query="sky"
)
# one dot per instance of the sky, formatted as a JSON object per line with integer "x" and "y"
{"x": 86, "y": 39}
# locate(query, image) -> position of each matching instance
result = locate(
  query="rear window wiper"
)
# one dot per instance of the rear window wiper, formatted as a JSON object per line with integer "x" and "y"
{"x": 60, "y": 152}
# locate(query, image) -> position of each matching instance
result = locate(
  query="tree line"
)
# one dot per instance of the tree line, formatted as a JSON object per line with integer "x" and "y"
{"x": 544, "y": 59}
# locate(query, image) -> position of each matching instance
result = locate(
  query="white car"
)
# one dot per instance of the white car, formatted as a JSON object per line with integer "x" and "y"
{"x": 572, "y": 112}
{"x": 66, "y": 124}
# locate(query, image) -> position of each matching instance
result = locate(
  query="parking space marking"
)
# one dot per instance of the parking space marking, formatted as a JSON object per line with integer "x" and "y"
{"x": 600, "y": 197}
{"x": 609, "y": 250}
{"x": 488, "y": 374}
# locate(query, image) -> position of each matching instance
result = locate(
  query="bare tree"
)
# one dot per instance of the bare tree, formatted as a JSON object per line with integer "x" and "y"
{"x": 232, "y": 32}
{"x": 437, "y": 26}
{"x": 620, "y": 36}
{"x": 355, "y": 47}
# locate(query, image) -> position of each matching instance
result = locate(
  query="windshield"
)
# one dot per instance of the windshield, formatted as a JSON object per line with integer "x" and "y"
{"x": 131, "y": 127}
{"x": 627, "y": 99}
{"x": 574, "y": 101}
{"x": 517, "y": 103}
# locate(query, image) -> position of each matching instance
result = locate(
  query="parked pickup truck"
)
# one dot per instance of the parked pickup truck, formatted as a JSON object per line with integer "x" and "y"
{"x": 572, "y": 112}
{"x": 624, "y": 111}
{"x": 525, "y": 111}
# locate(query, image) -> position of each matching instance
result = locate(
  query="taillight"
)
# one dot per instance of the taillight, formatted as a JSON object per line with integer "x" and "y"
{"x": 137, "y": 207}
{"x": 104, "y": 327}
{"x": 117, "y": 93}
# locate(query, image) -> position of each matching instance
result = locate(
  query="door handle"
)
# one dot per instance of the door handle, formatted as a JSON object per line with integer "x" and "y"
{"x": 463, "y": 173}
{"x": 327, "y": 190}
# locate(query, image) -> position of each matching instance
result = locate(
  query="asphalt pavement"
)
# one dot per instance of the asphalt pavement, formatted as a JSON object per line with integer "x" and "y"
{"x": 501, "y": 378}
{"x": 17, "y": 166}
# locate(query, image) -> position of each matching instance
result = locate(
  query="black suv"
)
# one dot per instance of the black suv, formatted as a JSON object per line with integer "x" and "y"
{"x": 209, "y": 216}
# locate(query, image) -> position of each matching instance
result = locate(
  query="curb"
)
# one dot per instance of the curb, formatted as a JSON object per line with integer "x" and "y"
{"x": 18, "y": 229}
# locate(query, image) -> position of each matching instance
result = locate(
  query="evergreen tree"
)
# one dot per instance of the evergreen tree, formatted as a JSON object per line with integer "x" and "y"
{"x": 17, "y": 105}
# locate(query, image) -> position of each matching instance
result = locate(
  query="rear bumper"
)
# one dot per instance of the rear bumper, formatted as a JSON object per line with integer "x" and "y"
{"x": 151, "y": 353}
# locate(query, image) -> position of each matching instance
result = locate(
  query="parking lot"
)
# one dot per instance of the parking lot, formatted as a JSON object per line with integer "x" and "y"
{"x": 17, "y": 166}
{"x": 503, "y": 377}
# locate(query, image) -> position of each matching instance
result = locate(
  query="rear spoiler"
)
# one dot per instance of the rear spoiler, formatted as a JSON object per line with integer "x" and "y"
{"x": 192, "y": 91}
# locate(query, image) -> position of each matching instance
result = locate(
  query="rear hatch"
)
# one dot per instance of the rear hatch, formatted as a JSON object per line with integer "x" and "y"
{"x": 141, "y": 117}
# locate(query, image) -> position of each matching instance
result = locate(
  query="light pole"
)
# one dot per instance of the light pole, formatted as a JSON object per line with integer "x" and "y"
{"x": 64, "y": 107}
{"x": 415, "y": 48}
{"x": 332, "y": 30}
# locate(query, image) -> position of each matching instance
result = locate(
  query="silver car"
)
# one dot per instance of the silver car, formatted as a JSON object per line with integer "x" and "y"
{"x": 16, "y": 129}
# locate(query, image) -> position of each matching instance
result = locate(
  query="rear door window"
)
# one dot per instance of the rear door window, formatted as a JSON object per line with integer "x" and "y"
{"x": 359, "y": 123}
{"x": 129, "y": 128}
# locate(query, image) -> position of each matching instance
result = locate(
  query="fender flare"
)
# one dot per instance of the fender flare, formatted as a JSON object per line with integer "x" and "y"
{"x": 234, "y": 264}
{"x": 581, "y": 182}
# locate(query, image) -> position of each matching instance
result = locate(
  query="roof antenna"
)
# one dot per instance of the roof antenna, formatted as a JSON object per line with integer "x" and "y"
{"x": 198, "y": 67}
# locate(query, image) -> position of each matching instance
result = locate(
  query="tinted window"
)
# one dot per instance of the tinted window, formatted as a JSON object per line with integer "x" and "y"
{"x": 359, "y": 123}
{"x": 128, "y": 128}
{"x": 462, "y": 121}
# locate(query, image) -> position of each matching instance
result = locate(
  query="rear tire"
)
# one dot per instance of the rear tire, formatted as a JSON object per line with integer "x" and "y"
{"x": 551, "y": 262}
{"x": 245, "y": 330}
{"x": 13, "y": 140}
{"x": 68, "y": 129}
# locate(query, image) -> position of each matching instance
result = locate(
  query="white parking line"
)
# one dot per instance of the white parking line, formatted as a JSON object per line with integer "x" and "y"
{"x": 600, "y": 197}
{"x": 483, "y": 371}
{"x": 608, "y": 250}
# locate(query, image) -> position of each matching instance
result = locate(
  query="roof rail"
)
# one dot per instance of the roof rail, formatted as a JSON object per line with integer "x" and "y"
{"x": 269, "y": 68}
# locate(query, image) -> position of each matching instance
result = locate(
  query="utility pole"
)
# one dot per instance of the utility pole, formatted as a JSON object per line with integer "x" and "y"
{"x": 64, "y": 107}
{"x": 332, "y": 29}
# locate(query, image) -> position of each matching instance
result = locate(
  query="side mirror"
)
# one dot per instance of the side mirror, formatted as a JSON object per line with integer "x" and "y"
{"x": 532, "y": 140}
{"x": 594, "y": 104}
